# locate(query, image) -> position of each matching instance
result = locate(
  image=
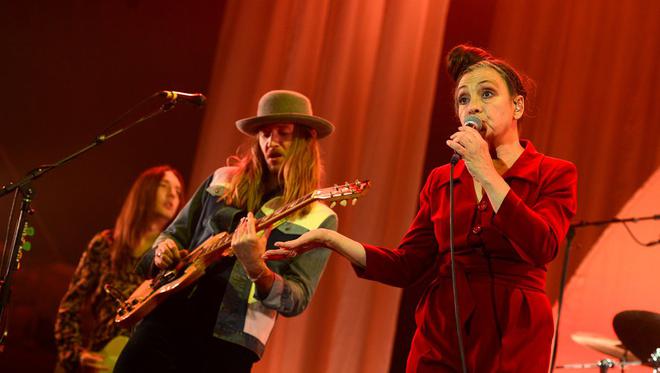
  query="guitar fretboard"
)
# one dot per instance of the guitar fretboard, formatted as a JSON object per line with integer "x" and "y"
{"x": 221, "y": 241}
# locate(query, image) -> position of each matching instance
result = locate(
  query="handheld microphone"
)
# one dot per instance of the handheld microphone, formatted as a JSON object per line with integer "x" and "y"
{"x": 470, "y": 121}
{"x": 197, "y": 99}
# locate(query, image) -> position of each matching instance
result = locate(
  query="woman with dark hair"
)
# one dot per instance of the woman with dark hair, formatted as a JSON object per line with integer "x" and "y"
{"x": 513, "y": 206}
{"x": 111, "y": 256}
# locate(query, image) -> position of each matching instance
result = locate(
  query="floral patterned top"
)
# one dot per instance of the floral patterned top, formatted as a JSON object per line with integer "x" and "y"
{"x": 86, "y": 293}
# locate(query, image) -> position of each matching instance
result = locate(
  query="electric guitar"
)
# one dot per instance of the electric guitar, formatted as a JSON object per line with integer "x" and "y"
{"x": 153, "y": 292}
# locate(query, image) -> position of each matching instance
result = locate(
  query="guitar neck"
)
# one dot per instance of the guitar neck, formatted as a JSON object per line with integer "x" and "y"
{"x": 222, "y": 241}
{"x": 283, "y": 212}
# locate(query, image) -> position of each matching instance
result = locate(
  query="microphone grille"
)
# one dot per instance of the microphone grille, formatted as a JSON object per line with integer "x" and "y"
{"x": 474, "y": 122}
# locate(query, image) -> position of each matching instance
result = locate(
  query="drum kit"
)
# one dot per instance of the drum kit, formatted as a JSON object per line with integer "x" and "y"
{"x": 638, "y": 344}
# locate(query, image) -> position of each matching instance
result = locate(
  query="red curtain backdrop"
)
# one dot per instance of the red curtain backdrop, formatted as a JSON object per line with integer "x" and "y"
{"x": 369, "y": 67}
{"x": 595, "y": 65}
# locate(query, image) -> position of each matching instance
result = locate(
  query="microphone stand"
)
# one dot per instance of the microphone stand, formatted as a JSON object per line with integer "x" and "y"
{"x": 564, "y": 272}
{"x": 457, "y": 319}
{"x": 24, "y": 187}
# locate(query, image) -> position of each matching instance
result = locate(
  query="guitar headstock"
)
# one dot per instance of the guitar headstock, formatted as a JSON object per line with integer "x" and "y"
{"x": 342, "y": 193}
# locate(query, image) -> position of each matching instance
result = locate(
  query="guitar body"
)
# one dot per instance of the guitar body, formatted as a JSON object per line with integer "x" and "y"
{"x": 145, "y": 298}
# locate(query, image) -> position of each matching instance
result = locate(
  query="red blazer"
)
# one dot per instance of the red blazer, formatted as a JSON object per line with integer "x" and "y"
{"x": 501, "y": 262}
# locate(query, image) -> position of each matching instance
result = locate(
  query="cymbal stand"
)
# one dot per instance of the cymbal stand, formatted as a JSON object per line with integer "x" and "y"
{"x": 655, "y": 360}
{"x": 605, "y": 364}
{"x": 562, "y": 285}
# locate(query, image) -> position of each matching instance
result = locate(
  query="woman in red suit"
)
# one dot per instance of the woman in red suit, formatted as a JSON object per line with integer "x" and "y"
{"x": 513, "y": 206}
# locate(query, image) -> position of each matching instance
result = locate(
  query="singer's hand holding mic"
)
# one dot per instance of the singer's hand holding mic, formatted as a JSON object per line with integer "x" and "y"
{"x": 469, "y": 145}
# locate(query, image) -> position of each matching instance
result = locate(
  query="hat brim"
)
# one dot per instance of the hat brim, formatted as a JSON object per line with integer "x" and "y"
{"x": 250, "y": 126}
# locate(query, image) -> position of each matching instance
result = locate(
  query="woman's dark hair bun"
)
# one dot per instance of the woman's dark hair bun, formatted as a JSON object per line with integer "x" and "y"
{"x": 463, "y": 56}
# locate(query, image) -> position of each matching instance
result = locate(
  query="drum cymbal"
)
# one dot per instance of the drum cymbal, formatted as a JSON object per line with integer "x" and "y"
{"x": 639, "y": 331}
{"x": 611, "y": 347}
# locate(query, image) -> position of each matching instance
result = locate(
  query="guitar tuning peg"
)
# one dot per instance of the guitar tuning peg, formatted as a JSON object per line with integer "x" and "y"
{"x": 333, "y": 204}
{"x": 358, "y": 182}
{"x": 343, "y": 203}
{"x": 354, "y": 202}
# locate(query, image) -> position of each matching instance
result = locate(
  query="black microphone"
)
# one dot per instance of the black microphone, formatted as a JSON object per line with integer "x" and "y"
{"x": 470, "y": 121}
{"x": 197, "y": 99}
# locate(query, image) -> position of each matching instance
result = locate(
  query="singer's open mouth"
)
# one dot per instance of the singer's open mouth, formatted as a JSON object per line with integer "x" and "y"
{"x": 274, "y": 155}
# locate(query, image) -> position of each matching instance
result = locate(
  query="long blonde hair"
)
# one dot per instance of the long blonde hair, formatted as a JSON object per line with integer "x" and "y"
{"x": 299, "y": 175}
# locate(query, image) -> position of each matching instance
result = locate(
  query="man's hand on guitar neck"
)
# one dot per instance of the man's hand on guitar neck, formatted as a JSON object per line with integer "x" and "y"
{"x": 249, "y": 248}
{"x": 168, "y": 253}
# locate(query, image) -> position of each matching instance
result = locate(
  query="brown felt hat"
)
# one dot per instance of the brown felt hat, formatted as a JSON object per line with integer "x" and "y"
{"x": 283, "y": 106}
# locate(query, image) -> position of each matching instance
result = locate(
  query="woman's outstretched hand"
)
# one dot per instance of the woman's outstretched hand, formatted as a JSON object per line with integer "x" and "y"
{"x": 289, "y": 249}
{"x": 344, "y": 246}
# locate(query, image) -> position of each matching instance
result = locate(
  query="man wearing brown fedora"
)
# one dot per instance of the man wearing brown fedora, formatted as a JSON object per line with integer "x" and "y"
{"x": 223, "y": 322}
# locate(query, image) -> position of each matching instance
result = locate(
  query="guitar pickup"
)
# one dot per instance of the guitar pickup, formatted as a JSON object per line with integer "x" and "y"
{"x": 169, "y": 275}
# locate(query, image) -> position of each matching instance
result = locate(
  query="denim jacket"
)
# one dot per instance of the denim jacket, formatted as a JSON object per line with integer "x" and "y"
{"x": 245, "y": 317}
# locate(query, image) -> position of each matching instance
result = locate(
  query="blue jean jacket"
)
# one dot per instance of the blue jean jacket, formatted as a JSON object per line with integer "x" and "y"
{"x": 244, "y": 317}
